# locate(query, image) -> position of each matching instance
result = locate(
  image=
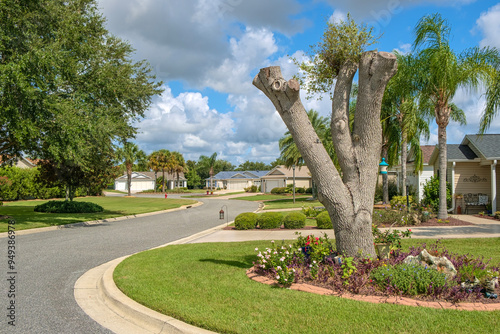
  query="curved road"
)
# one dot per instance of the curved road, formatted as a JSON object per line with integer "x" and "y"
{"x": 49, "y": 263}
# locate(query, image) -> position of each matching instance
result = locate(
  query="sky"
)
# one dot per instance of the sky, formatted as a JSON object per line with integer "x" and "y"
{"x": 207, "y": 53}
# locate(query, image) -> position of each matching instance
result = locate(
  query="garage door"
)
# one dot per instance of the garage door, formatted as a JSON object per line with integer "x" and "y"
{"x": 237, "y": 185}
{"x": 270, "y": 184}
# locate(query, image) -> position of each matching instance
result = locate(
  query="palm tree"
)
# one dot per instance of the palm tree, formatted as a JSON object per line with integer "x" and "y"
{"x": 289, "y": 152}
{"x": 163, "y": 157}
{"x": 492, "y": 99}
{"x": 154, "y": 164}
{"x": 211, "y": 162}
{"x": 441, "y": 73}
{"x": 178, "y": 164}
{"x": 129, "y": 154}
{"x": 405, "y": 117}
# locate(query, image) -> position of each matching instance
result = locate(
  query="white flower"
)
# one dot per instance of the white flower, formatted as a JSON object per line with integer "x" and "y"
{"x": 314, "y": 261}
{"x": 278, "y": 268}
{"x": 272, "y": 241}
{"x": 282, "y": 259}
{"x": 256, "y": 249}
{"x": 278, "y": 277}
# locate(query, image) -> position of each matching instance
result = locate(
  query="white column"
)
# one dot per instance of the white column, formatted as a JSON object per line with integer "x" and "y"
{"x": 452, "y": 182}
{"x": 494, "y": 186}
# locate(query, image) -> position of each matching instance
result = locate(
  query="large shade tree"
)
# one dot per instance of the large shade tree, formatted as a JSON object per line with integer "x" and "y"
{"x": 348, "y": 196}
{"x": 68, "y": 88}
{"x": 441, "y": 73}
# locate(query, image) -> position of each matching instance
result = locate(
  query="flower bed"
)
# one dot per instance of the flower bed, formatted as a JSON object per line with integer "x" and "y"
{"x": 314, "y": 261}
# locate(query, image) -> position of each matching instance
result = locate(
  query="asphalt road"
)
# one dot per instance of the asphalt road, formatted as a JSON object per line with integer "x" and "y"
{"x": 49, "y": 263}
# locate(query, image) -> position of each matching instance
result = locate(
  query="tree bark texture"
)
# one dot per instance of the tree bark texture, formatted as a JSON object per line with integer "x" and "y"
{"x": 348, "y": 198}
{"x": 443, "y": 207}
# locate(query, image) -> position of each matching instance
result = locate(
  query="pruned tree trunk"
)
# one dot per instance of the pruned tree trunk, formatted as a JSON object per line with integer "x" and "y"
{"x": 129, "y": 179}
{"x": 348, "y": 199}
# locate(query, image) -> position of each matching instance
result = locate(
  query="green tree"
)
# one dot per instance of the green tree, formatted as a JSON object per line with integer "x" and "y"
{"x": 129, "y": 154}
{"x": 251, "y": 165}
{"x": 441, "y": 73}
{"x": 163, "y": 158}
{"x": 178, "y": 165}
{"x": 405, "y": 117}
{"x": 68, "y": 88}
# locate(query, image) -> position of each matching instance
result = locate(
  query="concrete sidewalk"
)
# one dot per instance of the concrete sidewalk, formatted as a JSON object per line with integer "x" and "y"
{"x": 97, "y": 294}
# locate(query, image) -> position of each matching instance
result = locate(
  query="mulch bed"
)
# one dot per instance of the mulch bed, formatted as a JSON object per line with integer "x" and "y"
{"x": 487, "y": 217}
{"x": 430, "y": 222}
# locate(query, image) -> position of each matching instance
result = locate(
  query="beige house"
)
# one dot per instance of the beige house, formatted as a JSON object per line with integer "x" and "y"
{"x": 20, "y": 162}
{"x": 471, "y": 170}
{"x": 280, "y": 176}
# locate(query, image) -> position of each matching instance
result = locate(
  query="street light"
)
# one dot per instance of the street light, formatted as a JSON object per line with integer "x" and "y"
{"x": 221, "y": 214}
{"x": 293, "y": 167}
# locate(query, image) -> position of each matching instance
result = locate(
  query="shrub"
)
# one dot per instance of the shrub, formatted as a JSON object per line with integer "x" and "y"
{"x": 309, "y": 211}
{"x": 245, "y": 221}
{"x": 269, "y": 220}
{"x": 379, "y": 191}
{"x": 497, "y": 214}
{"x": 400, "y": 201}
{"x": 431, "y": 193}
{"x": 300, "y": 190}
{"x": 251, "y": 189}
{"x": 294, "y": 220}
{"x": 323, "y": 220}
{"x": 279, "y": 190}
{"x": 68, "y": 207}
{"x": 409, "y": 279}
{"x": 309, "y": 190}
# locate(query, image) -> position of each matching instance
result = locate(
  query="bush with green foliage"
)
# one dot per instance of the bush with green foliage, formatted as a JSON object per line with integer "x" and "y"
{"x": 251, "y": 189}
{"x": 280, "y": 190}
{"x": 309, "y": 190}
{"x": 431, "y": 193}
{"x": 269, "y": 220}
{"x": 68, "y": 207}
{"x": 398, "y": 202}
{"x": 379, "y": 191}
{"x": 409, "y": 279}
{"x": 323, "y": 220}
{"x": 311, "y": 212}
{"x": 245, "y": 221}
{"x": 25, "y": 183}
{"x": 294, "y": 220}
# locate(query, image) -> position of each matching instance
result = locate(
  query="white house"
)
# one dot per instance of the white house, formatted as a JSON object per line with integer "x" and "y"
{"x": 236, "y": 180}
{"x": 280, "y": 176}
{"x": 142, "y": 181}
{"x": 419, "y": 179}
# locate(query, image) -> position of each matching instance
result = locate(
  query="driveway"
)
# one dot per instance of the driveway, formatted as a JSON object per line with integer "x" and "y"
{"x": 49, "y": 263}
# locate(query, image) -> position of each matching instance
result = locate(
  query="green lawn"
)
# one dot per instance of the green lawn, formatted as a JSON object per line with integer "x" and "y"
{"x": 26, "y": 218}
{"x": 288, "y": 203}
{"x": 206, "y": 285}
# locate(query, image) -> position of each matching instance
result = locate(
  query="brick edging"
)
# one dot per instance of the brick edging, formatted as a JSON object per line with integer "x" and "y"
{"x": 377, "y": 299}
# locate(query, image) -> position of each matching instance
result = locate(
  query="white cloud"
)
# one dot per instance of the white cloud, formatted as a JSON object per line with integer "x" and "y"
{"x": 489, "y": 24}
{"x": 338, "y": 16}
{"x": 403, "y": 48}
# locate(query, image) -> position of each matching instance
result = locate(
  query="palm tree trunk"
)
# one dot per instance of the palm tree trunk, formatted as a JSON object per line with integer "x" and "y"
{"x": 404, "y": 154}
{"x": 129, "y": 179}
{"x": 442, "y": 213}
{"x": 163, "y": 175}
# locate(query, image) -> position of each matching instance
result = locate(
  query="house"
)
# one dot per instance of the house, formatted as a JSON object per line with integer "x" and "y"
{"x": 236, "y": 180}
{"x": 418, "y": 179}
{"x": 280, "y": 176}
{"x": 20, "y": 162}
{"x": 471, "y": 169}
{"x": 146, "y": 181}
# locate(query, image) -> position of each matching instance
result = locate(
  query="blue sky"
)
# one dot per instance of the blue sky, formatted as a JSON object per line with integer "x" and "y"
{"x": 207, "y": 52}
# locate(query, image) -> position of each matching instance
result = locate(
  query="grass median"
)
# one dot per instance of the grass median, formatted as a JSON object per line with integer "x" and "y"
{"x": 26, "y": 218}
{"x": 206, "y": 285}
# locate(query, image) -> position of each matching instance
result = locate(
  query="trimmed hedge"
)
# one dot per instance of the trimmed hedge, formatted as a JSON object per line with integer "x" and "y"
{"x": 245, "y": 221}
{"x": 294, "y": 220}
{"x": 68, "y": 207}
{"x": 323, "y": 220}
{"x": 269, "y": 220}
{"x": 280, "y": 190}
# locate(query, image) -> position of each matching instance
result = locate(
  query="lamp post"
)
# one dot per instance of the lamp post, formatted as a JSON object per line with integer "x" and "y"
{"x": 383, "y": 171}
{"x": 293, "y": 168}
{"x": 221, "y": 214}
